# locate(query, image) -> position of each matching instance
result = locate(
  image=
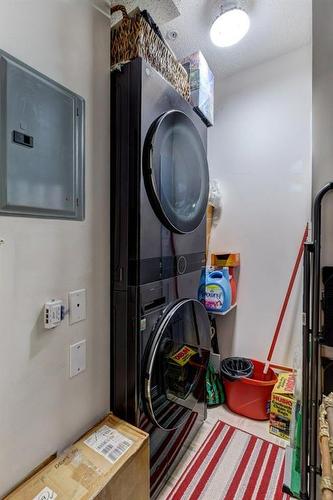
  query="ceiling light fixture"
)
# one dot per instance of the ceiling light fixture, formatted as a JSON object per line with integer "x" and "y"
{"x": 230, "y": 26}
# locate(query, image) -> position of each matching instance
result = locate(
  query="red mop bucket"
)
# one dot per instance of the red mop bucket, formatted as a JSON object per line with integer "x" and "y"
{"x": 251, "y": 397}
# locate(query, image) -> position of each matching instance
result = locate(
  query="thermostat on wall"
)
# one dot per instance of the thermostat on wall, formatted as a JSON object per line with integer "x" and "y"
{"x": 53, "y": 313}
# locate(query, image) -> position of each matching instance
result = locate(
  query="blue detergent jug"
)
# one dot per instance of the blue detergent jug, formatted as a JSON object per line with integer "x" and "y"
{"x": 215, "y": 290}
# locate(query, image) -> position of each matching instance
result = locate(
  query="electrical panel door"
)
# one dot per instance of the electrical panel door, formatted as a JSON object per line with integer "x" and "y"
{"x": 41, "y": 145}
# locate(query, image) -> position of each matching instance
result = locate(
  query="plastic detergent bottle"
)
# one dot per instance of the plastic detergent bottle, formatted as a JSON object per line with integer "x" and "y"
{"x": 233, "y": 285}
{"x": 216, "y": 295}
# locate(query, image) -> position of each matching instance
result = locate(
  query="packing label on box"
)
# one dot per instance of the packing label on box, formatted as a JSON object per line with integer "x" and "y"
{"x": 46, "y": 494}
{"x": 109, "y": 443}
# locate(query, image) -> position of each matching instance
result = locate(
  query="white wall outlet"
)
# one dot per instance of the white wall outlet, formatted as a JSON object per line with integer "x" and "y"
{"x": 53, "y": 313}
{"x": 77, "y": 358}
{"x": 77, "y": 301}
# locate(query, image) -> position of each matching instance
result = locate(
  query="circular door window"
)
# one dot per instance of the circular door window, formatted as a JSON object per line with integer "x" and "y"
{"x": 175, "y": 368}
{"x": 176, "y": 172}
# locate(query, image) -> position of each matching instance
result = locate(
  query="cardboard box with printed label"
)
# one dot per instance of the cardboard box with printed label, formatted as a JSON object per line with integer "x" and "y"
{"x": 111, "y": 462}
{"x": 202, "y": 86}
{"x": 282, "y": 405}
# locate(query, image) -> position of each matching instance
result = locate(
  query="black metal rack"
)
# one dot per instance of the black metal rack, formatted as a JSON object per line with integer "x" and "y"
{"x": 312, "y": 336}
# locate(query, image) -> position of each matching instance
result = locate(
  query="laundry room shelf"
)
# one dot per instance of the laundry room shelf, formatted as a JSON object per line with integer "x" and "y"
{"x": 223, "y": 313}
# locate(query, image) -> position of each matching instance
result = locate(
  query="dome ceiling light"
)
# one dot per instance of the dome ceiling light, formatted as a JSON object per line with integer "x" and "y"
{"x": 231, "y": 25}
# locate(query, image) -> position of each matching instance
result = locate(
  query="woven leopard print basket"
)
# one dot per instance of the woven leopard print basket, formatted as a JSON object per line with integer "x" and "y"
{"x": 133, "y": 37}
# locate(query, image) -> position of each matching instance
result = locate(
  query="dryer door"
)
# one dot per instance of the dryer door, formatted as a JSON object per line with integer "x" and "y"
{"x": 175, "y": 170}
{"x": 176, "y": 364}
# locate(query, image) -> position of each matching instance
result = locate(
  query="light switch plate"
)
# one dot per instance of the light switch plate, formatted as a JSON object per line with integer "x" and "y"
{"x": 77, "y": 301}
{"x": 77, "y": 358}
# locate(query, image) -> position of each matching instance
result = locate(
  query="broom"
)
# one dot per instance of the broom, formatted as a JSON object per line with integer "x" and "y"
{"x": 285, "y": 302}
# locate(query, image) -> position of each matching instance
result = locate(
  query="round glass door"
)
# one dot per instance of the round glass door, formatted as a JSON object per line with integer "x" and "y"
{"x": 176, "y": 364}
{"x": 176, "y": 172}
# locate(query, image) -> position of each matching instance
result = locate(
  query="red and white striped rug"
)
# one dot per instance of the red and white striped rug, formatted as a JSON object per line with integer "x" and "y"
{"x": 233, "y": 465}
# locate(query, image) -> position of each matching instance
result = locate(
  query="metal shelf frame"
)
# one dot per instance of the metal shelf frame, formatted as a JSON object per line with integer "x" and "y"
{"x": 312, "y": 336}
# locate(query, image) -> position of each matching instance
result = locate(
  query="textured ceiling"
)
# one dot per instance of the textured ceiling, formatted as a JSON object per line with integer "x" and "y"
{"x": 161, "y": 10}
{"x": 277, "y": 27}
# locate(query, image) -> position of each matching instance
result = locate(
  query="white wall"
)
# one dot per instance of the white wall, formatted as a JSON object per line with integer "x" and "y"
{"x": 41, "y": 409}
{"x": 260, "y": 148}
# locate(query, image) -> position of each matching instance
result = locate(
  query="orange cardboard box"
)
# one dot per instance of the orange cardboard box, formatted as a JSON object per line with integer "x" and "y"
{"x": 225, "y": 260}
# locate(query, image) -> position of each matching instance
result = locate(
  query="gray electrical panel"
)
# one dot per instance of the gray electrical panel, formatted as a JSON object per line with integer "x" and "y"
{"x": 41, "y": 145}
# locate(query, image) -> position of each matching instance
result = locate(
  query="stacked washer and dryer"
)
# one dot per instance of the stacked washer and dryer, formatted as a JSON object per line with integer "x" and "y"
{"x": 160, "y": 333}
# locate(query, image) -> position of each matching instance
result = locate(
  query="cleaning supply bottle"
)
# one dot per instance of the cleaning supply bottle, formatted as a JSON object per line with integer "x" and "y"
{"x": 228, "y": 291}
{"x": 216, "y": 295}
{"x": 233, "y": 285}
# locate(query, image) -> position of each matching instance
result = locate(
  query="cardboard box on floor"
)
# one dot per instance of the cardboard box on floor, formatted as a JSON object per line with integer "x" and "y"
{"x": 282, "y": 405}
{"x": 111, "y": 461}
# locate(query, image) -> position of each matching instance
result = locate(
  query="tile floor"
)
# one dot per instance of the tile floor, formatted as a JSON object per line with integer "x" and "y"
{"x": 257, "y": 428}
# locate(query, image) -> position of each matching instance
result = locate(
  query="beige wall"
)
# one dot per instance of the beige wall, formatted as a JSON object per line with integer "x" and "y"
{"x": 41, "y": 409}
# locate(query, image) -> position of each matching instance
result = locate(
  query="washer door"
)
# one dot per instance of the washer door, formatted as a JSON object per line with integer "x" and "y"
{"x": 176, "y": 172}
{"x": 176, "y": 364}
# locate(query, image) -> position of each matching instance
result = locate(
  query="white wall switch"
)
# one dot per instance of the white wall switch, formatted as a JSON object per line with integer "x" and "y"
{"x": 77, "y": 358}
{"x": 53, "y": 313}
{"x": 77, "y": 301}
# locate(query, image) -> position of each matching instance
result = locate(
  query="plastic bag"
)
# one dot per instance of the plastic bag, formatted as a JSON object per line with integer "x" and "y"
{"x": 214, "y": 389}
{"x": 215, "y": 193}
